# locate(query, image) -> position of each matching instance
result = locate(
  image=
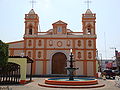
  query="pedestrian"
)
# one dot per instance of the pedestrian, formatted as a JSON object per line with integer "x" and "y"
{"x": 103, "y": 76}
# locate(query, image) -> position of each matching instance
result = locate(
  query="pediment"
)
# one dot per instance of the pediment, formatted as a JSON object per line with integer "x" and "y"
{"x": 59, "y": 22}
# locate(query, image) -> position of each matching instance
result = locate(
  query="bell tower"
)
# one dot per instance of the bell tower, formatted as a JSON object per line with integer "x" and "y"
{"x": 88, "y": 23}
{"x": 31, "y": 23}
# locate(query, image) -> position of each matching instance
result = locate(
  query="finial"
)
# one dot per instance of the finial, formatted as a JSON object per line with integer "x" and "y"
{"x": 70, "y": 50}
{"x": 32, "y": 3}
{"x": 88, "y": 2}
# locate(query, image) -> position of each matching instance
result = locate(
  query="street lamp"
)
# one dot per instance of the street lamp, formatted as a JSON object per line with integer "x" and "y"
{"x": 100, "y": 62}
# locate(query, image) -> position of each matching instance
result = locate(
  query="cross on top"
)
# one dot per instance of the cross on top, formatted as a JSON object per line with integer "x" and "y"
{"x": 32, "y": 3}
{"x": 88, "y": 3}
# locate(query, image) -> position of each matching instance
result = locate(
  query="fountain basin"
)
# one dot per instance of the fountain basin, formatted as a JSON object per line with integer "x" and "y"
{"x": 76, "y": 81}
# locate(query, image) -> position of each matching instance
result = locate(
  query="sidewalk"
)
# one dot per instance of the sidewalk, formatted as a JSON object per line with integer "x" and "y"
{"x": 109, "y": 85}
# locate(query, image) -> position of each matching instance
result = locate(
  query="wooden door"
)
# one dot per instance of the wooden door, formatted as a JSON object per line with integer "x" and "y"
{"x": 59, "y": 62}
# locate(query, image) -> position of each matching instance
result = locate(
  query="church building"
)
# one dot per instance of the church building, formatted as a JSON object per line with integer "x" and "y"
{"x": 50, "y": 50}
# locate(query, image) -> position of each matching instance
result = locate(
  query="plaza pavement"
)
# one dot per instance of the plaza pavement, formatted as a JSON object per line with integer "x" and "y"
{"x": 109, "y": 85}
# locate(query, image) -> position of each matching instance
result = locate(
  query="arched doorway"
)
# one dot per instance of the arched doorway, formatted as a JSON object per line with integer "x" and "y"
{"x": 59, "y": 62}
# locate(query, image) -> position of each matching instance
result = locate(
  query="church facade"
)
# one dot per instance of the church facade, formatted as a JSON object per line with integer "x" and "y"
{"x": 50, "y": 50}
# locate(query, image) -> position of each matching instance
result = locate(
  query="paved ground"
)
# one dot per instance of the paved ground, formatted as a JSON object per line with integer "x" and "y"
{"x": 109, "y": 85}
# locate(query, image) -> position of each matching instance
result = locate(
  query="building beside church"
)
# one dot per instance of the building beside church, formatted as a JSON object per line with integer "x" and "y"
{"x": 50, "y": 50}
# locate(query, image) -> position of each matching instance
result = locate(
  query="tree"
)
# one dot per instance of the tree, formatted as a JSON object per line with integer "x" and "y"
{"x": 3, "y": 53}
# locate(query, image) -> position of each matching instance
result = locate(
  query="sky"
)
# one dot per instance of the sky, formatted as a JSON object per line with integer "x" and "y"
{"x": 12, "y": 14}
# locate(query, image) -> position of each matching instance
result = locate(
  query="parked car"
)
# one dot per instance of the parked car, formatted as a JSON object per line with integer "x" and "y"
{"x": 109, "y": 74}
{"x": 117, "y": 72}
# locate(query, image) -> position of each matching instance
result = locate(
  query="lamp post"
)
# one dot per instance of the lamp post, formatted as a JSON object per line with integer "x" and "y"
{"x": 71, "y": 59}
{"x": 100, "y": 62}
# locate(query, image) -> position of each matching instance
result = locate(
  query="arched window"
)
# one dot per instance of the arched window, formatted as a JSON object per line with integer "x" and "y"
{"x": 89, "y": 55}
{"x": 89, "y": 29}
{"x": 59, "y": 29}
{"x": 39, "y": 43}
{"x": 68, "y": 42}
{"x": 89, "y": 43}
{"x": 39, "y": 54}
{"x": 50, "y": 43}
{"x": 29, "y": 53}
{"x": 30, "y": 30}
{"x": 79, "y": 43}
{"x": 79, "y": 55}
{"x": 29, "y": 43}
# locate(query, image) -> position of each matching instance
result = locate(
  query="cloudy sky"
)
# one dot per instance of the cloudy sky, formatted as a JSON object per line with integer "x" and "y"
{"x": 70, "y": 11}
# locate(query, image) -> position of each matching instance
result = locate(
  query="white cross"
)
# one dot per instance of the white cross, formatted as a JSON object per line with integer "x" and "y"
{"x": 88, "y": 2}
{"x": 32, "y": 2}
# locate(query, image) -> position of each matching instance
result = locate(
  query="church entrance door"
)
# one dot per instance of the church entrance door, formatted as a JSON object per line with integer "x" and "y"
{"x": 59, "y": 62}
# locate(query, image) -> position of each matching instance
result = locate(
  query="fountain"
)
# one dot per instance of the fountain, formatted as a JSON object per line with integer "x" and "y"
{"x": 71, "y": 69}
{"x": 71, "y": 81}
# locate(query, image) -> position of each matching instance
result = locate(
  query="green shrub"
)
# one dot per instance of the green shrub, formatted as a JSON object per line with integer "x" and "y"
{"x": 3, "y": 53}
